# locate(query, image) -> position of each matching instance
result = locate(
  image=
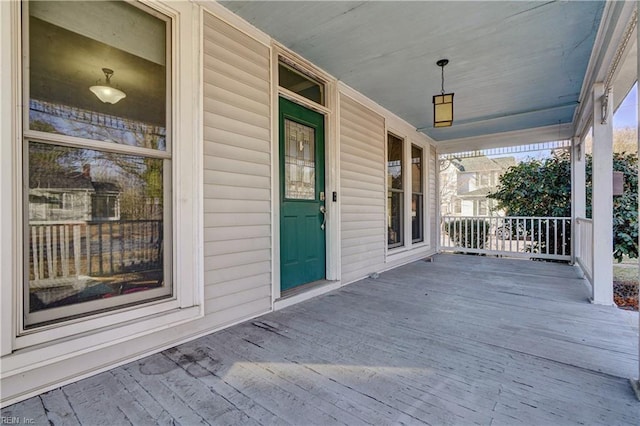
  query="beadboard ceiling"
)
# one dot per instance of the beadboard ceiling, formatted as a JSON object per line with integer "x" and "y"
{"x": 513, "y": 64}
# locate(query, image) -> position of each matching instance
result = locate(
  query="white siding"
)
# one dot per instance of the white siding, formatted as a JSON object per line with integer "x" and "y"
{"x": 237, "y": 177}
{"x": 362, "y": 187}
{"x": 434, "y": 167}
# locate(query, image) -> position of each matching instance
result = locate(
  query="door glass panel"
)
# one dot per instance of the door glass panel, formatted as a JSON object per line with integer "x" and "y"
{"x": 299, "y": 158}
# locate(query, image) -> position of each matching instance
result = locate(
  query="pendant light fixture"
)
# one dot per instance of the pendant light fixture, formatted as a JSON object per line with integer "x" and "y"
{"x": 443, "y": 103}
{"x": 107, "y": 93}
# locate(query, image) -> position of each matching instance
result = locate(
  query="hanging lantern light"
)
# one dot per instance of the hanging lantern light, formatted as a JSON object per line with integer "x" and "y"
{"x": 443, "y": 103}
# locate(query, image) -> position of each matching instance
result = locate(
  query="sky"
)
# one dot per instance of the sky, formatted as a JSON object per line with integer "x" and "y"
{"x": 627, "y": 113}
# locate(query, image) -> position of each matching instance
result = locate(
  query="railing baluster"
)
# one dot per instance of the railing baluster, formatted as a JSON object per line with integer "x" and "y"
{"x": 50, "y": 272}
{"x": 547, "y": 230}
{"x": 111, "y": 271}
{"x": 555, "y": 236}
{"x": 100, "y": 251}
{"x": 88, "y": 245}
{"x": 77, "y": 248}
{"x": 54, "y": 250}
{"x": 64, "y": 248}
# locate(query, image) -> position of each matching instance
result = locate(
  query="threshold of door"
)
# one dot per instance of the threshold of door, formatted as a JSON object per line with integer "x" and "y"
{"x": 304, "y": 292}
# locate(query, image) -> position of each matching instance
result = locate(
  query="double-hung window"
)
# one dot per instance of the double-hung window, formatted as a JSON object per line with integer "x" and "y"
{"x": 97, "y": 156}
{"x": 417, "y": 195}
{"x": 395, "y": 192}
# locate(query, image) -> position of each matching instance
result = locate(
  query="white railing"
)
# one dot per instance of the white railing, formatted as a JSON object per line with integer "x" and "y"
{"x": 584, "y": 246}
{"x": 529, "y": 237}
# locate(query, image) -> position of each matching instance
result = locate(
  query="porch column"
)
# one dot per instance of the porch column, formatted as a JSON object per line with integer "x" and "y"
{"x": 602, "y": 198}
{"x": 635, "y": 382}
{"x": 578, "y": 192}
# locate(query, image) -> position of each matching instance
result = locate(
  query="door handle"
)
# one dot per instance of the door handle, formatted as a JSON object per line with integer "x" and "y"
{"x": 323, "y": 210}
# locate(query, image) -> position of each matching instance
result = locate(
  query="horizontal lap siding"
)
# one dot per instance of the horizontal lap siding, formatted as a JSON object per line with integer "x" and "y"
{"x": 237, "y": 176}
{"x": 433, "y": 198}
{"x": 362, "y": 187}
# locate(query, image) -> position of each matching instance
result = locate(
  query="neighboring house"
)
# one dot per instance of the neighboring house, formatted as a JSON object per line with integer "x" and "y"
{"x": 466, "y": 182}
{"x": 66, "y": 197}
{"x": 260, "y": 176}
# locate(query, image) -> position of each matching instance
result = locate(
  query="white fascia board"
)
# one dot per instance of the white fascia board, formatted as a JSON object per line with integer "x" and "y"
{"x": 500, "y": 140}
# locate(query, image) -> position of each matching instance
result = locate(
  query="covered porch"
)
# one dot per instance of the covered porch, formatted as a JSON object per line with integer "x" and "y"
{"x": 457, "y": 340}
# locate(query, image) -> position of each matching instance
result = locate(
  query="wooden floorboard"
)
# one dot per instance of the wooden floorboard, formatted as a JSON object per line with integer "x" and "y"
{"x": 460, "y": 340}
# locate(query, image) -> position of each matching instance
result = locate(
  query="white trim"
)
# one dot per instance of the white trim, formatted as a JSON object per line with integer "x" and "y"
{"x": 9, "y": 129}
{"x": 301, "y": 100}
{"x": 275, "y": 178}
{"x": 306, "y": 295}
{"x": 334, "y": 228}
{"x": 76, "y": 142}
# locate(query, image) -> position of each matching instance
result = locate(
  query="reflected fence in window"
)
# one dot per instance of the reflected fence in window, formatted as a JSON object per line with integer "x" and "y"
{"x": 528, "y": 237}
{"x": 72, "y": 255}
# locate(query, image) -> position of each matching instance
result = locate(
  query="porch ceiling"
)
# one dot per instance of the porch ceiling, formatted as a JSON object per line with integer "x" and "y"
{"x": 513, "y": 64}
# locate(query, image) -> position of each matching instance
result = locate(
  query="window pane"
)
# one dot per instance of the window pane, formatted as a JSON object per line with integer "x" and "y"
{"x": 394, "y": 221}
{"x": 96, "y": 228}
{"x": 300, "y": 84}
{"x": 70, "y": 43}
{"x": 416, "y": 169}
{"x": 394, "y": 162}
{"x": 416, "y": 217}
{"x": 299, "y": 158}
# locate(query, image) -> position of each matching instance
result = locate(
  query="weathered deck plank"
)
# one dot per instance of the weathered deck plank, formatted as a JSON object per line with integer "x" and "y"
{"x": 461, "y": 340}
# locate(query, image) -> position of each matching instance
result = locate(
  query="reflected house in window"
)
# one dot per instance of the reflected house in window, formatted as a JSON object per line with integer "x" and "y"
{"x": 466, "y": 182}
{"x": 55, "y": 197}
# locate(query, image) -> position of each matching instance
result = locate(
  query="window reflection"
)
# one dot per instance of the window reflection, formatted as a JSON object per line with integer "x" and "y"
{"x": 69, "y": 46}
{"x": 95, "y": 225}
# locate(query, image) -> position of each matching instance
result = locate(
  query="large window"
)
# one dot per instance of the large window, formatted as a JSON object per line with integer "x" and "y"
{"x": 417, "y": 195}
{"x": 395, "y": 192}
{"x": 97, "y": 158}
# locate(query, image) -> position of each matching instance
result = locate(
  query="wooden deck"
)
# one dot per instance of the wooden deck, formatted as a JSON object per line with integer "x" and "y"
{"x": 461, "y": 340}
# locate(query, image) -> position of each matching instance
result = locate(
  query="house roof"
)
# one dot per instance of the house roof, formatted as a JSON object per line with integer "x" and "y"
{"x": 480, "y": 192}
{"x": 45, "y": 179}
{"x": 514, "y": 65}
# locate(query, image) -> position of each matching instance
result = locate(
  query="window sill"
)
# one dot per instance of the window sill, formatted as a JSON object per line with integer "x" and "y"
{"x": 400, "y": 253}
{"x": 64, "y": 348}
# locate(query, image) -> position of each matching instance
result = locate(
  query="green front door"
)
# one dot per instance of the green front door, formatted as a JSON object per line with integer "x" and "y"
{"x": 302, "y": 235}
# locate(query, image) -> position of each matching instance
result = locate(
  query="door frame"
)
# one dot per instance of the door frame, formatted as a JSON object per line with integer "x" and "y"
{"x": 331, "y": 166}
